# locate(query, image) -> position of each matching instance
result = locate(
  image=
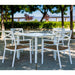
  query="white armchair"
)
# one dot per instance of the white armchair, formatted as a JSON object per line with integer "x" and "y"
{"x": 54, "y": 45}
{"x": 14, "y": 47}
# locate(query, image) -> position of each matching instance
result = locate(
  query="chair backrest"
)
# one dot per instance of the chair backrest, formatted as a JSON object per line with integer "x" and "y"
{"x": 65, "y": 36}
{"x": 17, "y": 30}
{"x": 58, "y": 29}
{"x": 8, "y": 35}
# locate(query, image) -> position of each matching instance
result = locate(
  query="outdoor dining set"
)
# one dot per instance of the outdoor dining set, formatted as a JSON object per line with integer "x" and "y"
{"x": 54, "y": 40}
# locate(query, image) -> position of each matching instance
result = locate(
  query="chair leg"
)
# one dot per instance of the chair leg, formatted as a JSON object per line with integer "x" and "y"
{"x": 70, "y": 56}
{"x": 42, "y": 53}
{"x": 54, "y": 55}
{"x": 3, "y": 56}
{"x": 42, "y": 56}
{"x": 23, "y": 40}
{"x": 23, "y": 37}
{"x": 63, "y": 43}
{"x": 18, "y": 55}
{"x": 12, "y": 45}
{"x": 64, "y": 52}
{"x": 30, "y": 55}
{"x": 59, "y": 59}
{"x": 13, "y": 59}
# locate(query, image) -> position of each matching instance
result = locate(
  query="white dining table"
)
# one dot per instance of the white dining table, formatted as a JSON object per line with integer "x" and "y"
{"x": 36, "y": 36}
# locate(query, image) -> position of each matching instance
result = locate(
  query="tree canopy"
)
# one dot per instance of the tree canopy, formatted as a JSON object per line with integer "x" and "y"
{"x": 62, "y": 9}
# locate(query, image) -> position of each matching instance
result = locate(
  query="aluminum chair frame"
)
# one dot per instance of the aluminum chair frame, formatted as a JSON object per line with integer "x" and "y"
{"x": 58, "y": 51}
{"x": 58, "y": 29}
{"x": 11, "y": 37}
{"x": 15, "y": 30}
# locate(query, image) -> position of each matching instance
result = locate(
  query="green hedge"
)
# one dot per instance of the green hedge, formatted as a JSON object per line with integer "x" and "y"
{"x": 35, "y": 25}
{"x": 24, "y": 25}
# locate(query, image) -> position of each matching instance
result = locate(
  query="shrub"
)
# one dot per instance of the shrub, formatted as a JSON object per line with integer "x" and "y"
{"x": 35, "y": 25}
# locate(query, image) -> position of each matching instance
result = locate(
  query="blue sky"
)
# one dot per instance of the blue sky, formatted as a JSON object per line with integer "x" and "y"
{"x": 39, "y": 14}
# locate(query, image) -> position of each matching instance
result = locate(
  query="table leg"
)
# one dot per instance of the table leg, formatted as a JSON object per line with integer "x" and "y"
{"x": 36, "y": 50}
{"x": 32, "y": 45}
{"x": 18, "y": 52}
{"x": 17, "y": 40}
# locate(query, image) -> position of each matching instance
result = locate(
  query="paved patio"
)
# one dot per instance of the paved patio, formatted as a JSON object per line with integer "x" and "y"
{"x": 49, "y": 62}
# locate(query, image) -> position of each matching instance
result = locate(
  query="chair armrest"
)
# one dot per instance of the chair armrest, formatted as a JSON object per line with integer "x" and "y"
{"x": 8, "y": 39}
{"x": 29, "y": 42}
{"x": 55, "y": 41}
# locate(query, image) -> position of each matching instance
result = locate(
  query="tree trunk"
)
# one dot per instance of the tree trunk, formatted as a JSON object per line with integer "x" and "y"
{"x": 43, "y": 16}
{"x": 62, "y": 16}
{"x": 2, "y": 22}
{"x": 12, "y": 20}
{"x": 71, "y": 19}
{"x": 6, "y": 15}
{"x": 2, "y": 18}
{"x": 12, "y": 17}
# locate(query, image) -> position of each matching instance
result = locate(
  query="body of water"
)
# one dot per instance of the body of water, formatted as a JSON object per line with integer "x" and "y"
{"x": 50, "y": 19}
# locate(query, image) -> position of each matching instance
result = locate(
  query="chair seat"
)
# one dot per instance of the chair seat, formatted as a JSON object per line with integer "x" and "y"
{"x": 18, "y": 47}
{"x": 51, "y": 42}
{"x": 54, "y": 47}
{"x": 24, "y": 42}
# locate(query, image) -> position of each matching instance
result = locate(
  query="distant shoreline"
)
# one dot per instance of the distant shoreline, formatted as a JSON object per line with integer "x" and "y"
{"x": 51, "y": 19}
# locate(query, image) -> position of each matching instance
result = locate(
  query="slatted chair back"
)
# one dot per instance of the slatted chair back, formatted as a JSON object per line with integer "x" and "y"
{"x": 17, "y": 30}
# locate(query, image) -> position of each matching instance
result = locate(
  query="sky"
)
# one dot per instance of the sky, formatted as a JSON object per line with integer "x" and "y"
{"x": 39, "y": 14}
